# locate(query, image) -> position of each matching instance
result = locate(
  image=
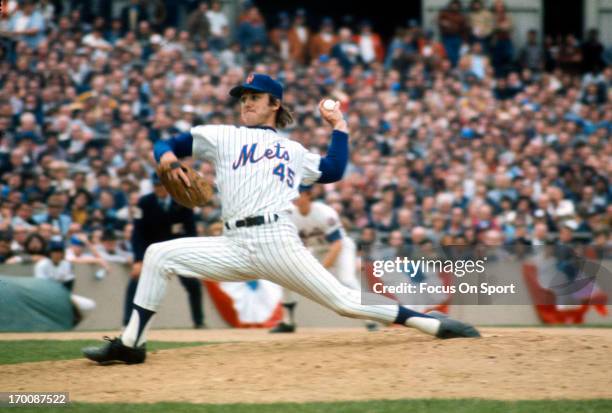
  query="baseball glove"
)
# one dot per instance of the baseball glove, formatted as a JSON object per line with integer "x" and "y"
{"x": 198, "y": 194}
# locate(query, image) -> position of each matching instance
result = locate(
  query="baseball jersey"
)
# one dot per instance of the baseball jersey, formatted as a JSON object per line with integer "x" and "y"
{"x": 319, "y": 228}
{"x": 258, "y": 171}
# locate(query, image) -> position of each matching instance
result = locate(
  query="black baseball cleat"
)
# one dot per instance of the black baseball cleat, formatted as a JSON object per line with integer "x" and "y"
{"x": 115, "y": 352}
{"x": 283, "y": 328}
{"x": 450, "y": 328}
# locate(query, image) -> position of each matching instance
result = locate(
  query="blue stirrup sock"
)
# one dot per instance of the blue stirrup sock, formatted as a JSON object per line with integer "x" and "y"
{"x": 420, "y": 321}
{"x": 134, "y": 334}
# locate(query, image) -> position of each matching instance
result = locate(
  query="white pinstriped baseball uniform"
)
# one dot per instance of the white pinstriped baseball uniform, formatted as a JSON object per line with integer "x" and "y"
{"x": 315, "y": 229}
{"x": 258, "y": 173}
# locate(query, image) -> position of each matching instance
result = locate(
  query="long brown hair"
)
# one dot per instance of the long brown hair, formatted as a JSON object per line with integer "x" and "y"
{"x": 284, "y": 117}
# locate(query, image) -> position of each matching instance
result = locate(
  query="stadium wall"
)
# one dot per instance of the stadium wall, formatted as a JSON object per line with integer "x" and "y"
{"x": 109, "y": 295}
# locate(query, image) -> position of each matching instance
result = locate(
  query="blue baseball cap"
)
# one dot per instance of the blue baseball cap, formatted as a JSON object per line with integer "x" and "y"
{"x": 261, "y": 83}
{"x": 56, "y": 246}
{"x": 74, "y": 240}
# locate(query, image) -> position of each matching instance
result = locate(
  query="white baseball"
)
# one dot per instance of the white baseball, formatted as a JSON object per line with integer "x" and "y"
{"x": 329, "y": 104}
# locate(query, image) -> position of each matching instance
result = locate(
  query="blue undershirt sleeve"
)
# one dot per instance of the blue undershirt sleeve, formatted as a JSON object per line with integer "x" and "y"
{"x": 181, "y": 145}
{"x": 334, "y": 236}
{"x": 332, "y": 166}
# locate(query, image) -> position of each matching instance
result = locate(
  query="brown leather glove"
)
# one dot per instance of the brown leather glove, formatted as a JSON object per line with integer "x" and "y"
{"x": 199, "y": 193}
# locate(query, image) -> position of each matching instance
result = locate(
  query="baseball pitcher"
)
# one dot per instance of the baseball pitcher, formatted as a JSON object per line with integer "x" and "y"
{"x": 258, "y": 172}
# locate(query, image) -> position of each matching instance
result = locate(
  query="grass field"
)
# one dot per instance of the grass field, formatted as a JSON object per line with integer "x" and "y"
{"x": 23, "y": 351}
{"x": 16, "y": 352}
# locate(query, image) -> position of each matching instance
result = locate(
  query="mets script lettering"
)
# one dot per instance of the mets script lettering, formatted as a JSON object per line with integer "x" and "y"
{"x": 247, "y": 154}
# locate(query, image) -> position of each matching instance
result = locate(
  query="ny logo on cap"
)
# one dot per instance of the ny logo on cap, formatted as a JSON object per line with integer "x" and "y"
{"x": 250, "y": 78}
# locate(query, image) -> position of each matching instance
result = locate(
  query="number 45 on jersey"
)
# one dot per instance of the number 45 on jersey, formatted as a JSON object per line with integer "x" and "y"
{"x": 280, "y": 172}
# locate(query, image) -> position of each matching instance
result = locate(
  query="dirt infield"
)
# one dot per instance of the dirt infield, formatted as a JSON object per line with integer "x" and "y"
{"x": 328, "y": 365}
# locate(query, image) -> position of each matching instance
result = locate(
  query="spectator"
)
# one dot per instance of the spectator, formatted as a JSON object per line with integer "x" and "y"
{"x": 251, "y": 28}
{"x": 368, "y": 243}
{"x": 279, "y": 37}
{"x": 97, "y": 42}
{"x": 322, "y": 42}
{"x": 558, "y": 206}
{"x": 23, "y": 217}
{"x": 475, "y": 62}
{"x": 503, "y": 90}
{"x": 5, "y": 246}
{"x": 418, "y": 237}
{"x": 114, "y": 33}
{"x": 28, "y": 24}
{"x": 532, "y": 55}
{"x": 105, "y": 213}
{"x": 481, "y": 24}
{"x": 161, "y": 16}
{"x": 292, "y": 39}
{"x": 589, "y": 202}
{"x": 132, "y": 14}
{"x": 81, "y": 251}
{"x": 256, "y": 54}
{"x": 452, "y": 25}
{"x": 59, "y": 174}
{"x": 198, "y": 24}
{"x": 106, "y": 184}
{"x": 49, "y": 10}
{"x": 437, "y": 230}
{"x": 370, "y": 44}
{"x": 55, "y": 215}
{"x": 345, "y": 50}
{"x": 602, "y": 244}
{"x": 34, "y": 250}
{"x": 219, "y": 26}
{"x": 81, "y": 205}
{"x": 456, "y": 225}
{"x": 56, "y": 267}
{"x": 592, "y": 53}
{"x": 400, "y": 47}
{"x": 19, "y": 235}
{"x": 552, "y": 49}
{"x": 430, "y": 50}
{"x": 298, "y": 37}
{"x": 395, "y": 247}
{"x": 503, "y": 49}
{"x": 383, "y": 219}
{"x": 41, "y": 190}
{"x": 570, "y": 55}
{"x": 109, "y": 250}
{"x": 162, "y": 127}
{"x": 232, "y": 57}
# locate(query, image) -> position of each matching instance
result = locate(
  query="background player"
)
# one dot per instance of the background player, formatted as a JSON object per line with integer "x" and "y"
{"x": 321, "y": 230}
{"x": 257, "y": 174}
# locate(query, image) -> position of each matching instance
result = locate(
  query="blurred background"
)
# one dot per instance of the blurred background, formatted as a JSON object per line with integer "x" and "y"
{"x": 472, "y": 123}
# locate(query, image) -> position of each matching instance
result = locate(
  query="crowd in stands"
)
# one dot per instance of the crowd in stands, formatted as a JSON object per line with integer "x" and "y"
{"x": 457, "y": 137}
